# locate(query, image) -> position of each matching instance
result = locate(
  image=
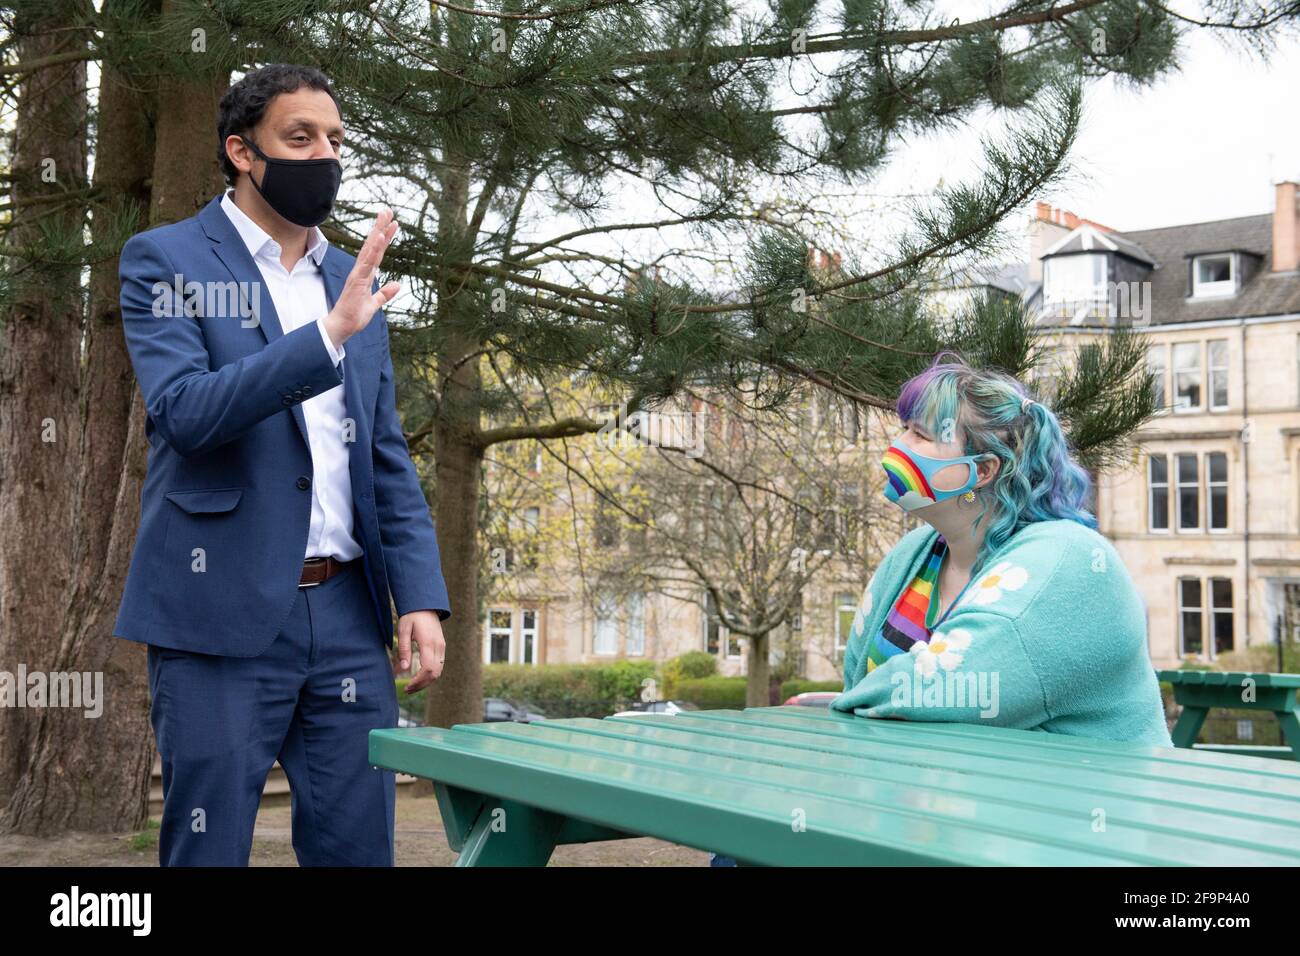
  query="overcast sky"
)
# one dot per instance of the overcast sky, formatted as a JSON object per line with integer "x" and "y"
{"x": 1194, "y": 147}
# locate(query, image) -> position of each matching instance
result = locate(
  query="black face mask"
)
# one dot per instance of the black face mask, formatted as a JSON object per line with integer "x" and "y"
{"x": 300, "y": 190}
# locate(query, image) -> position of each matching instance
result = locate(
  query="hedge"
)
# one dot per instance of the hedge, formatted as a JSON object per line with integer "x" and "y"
{"x": 713, "y": 693}
{"x": 556, "y": 690}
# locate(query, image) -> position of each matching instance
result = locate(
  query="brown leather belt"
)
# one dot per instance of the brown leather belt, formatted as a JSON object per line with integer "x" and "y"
{"x": 317, "y": 570}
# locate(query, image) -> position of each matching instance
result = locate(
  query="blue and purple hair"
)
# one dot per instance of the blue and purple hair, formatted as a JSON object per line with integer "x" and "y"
{"x": 1038, "y": 478}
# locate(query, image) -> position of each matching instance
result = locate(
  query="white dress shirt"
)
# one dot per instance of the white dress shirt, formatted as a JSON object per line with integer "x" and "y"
{"x": 299, "y": 298}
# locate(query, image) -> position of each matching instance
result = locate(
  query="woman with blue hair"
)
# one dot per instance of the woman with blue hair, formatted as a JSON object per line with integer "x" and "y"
{"x": 1006, "y": 606}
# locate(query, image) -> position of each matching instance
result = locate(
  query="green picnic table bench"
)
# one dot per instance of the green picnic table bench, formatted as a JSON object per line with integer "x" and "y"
{"x": 1199, "y": 691}
{"x": 805, "y": 786}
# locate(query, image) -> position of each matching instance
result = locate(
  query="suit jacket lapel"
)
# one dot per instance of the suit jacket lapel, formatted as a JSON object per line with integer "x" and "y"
{"x": 234, "y": 255}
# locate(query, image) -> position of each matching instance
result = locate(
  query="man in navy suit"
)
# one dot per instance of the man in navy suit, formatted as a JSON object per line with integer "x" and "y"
{"x": 281, "y": 507}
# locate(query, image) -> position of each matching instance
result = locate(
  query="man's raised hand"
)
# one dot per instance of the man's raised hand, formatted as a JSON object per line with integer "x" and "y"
{"x": 356, "y": 304}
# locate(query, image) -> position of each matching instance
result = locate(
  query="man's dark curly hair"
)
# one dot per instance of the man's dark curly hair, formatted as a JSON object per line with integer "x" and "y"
{"x": 244, "y": 104}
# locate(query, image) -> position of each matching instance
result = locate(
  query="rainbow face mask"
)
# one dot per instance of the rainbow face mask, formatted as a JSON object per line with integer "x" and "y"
{"x": 909, "y": 476}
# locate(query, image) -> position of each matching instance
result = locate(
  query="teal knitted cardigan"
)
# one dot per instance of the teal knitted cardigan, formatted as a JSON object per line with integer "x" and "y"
{"x": 1050, "y": 635}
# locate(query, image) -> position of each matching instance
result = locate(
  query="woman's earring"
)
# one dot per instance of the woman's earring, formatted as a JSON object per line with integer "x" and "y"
{"x": 969, "y": 497}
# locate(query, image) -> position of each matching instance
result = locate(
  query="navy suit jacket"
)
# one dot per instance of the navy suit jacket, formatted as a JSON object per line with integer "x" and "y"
{"x": 226, "y": 503}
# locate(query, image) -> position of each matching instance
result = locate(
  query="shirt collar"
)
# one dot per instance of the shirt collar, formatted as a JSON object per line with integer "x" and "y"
{"x": 256, "y": 238}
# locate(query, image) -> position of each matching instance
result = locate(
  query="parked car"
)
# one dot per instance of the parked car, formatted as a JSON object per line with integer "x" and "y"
{"x": 503, "y": 709}
{"x": 670, "y": 707}
{"x": 812, "y": 698}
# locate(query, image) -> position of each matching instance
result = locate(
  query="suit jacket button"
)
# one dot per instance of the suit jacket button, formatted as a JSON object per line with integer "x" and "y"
{"x": 304, "y": 482}
{"x": 286, "y": 400}
{"x": 306, "y": 389}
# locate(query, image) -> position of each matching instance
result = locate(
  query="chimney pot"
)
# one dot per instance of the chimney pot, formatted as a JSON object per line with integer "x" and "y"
{"x": 1286, "y": 235}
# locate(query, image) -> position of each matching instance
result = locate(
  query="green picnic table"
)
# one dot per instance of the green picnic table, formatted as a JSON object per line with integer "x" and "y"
{"x": 807, "y": 786}
{"x": 1199, "y": 691}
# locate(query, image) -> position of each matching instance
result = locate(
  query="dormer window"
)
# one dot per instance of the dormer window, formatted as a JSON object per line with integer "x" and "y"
{"x": 1074, "y": 280}
{"x": 1214, "y": 275}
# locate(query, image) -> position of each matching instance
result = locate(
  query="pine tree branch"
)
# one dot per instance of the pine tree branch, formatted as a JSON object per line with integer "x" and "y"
{"x": 548, "y": 15}
{"x": 784, "y": 49}
{"x": 1266, "y": 19}
{"x": 45, "y": 62}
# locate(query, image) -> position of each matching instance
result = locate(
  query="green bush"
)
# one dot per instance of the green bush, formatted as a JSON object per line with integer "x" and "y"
{"x": 689, "y": 666}
{"x": 411, "y": 705}
{"x": 569, "y": 690}
{"x": 1261, "y": 658}
{"x": 792, "y": 687}
{"x": 713, "y": 693}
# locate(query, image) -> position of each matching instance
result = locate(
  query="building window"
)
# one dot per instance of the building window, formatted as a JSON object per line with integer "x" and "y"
{"x": 1189, "y": 617}
{"x": 1218, "y": 362}
{"x": 500, "y": 623}
{"x": 846, "y": 609}
{"x": 528, "y": 546}
{"x": 849, "y": 512}
{"x": 1213, "y": 275}
{"x": 1074, "y": 282}
{"x": 1187, "y": 487}
{"x": 607, "y": 524}
{"x": 716, "y": 635}
{"x": 712, "y": 625}
{"x": 1187, "y": 376}
{"x": 1158, "y": 367}
{"x": 635, "y": 625}
{"x": 605, "y": 641}
{"x": 715, "y": 518}
{"x": 1216, "y": 490}
{"x": 1221, "y": 614}
{"x": 850, "y": 421}
{"x": 528, "y": 636}
{"x": 1158, "y": 493}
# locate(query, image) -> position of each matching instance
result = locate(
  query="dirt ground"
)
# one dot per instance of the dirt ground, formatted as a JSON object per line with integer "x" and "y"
{"x": 420, "y": 841}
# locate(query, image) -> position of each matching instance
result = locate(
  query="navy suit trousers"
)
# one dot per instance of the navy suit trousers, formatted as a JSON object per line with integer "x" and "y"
{"x": 310, "y": 701}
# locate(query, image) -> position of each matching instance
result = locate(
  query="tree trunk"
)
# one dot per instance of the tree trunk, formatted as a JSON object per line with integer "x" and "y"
{"x": 457, "y": 696}
{"x": 95, "y": 775}
{"x": 758, "y": 692}
{"x": 39, "y": 368}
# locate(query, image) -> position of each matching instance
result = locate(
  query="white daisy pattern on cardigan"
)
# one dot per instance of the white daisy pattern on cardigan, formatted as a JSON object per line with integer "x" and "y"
{"x": 859, "y": 619}
{"x": 1000, "y": 579}
{"x": 943, "y": 650}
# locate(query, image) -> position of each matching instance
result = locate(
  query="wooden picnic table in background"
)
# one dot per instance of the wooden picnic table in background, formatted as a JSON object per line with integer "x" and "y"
{"x": 807, "y": 786}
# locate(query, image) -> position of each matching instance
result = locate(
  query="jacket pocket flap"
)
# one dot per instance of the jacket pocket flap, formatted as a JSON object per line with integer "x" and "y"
{"x": 206, "y": 500}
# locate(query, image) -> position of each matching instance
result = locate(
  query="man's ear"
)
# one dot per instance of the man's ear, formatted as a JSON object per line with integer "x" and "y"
{"x": 239, "y": 153}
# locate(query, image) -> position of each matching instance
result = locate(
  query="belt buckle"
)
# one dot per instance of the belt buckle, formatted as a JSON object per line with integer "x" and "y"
{"x": 312, "y": 584}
